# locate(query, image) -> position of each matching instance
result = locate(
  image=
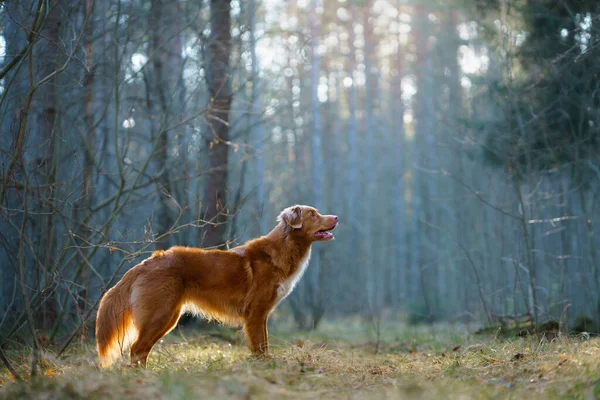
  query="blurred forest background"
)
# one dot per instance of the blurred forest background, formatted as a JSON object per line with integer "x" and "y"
{"x": 457, "y": 140}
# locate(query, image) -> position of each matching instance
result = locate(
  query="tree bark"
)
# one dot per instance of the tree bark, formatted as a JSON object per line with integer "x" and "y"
{"x": 352, "y": 159}
{"x": 371, "y": 138}
{"x": 317, "y": 171}
{"x": 217, "y": 135}
{"x": 49, "y": 155}
{"x": 397, "y": 282}
{"x": 166, "y": 49}
{"x": 256, "y": 124}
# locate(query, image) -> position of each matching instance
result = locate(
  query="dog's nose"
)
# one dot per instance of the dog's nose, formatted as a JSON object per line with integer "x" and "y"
{"x": 335, "y": 217}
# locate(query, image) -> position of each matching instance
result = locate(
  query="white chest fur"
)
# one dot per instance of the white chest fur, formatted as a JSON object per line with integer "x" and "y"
{"x": 286, "y": 287}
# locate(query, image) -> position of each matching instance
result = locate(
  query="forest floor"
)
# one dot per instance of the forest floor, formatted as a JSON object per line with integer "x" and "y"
{"x": 342, "y": 359}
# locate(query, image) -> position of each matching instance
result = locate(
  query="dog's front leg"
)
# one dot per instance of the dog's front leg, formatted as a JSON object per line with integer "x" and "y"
{"x": 258, "y": 337}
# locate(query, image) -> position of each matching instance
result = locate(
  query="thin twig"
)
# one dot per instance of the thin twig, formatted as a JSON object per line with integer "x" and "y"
{"x": 9, "y": 366}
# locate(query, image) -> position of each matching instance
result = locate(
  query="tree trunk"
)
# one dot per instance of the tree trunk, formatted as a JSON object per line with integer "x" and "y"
{"x": 422, "y": 133}
{"x": 317, "y": 171}
{"x": 166, "y": 48}
{"x": 455, "y": 138}
{"x": 88, "y": 145}
{"x": 16, "y": 40}
{"x": 217, "y": 134}
{"x": 371, "y": 138}
{"x": 353, "y": 161}
{"x": 48, "y": 121}
{"x": 398, "y": 279}
{"x": 88, "y": 116}
{"x": 256, "y": 124}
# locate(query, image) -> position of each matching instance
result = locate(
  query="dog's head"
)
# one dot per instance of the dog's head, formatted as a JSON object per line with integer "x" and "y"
{"x": 305, "y": 221}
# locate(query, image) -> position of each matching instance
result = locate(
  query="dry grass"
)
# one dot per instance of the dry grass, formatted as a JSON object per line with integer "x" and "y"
{"x": 337, "y": 361}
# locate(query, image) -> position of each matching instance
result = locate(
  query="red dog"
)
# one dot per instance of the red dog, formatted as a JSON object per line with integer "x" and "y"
{"x": 241, "y": 286}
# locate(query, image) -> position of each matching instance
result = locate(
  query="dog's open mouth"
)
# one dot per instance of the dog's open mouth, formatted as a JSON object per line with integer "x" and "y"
{"x": 325, "y": 234}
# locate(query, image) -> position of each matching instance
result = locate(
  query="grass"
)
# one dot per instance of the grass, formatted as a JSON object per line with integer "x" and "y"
{"x": 336, "y": 361}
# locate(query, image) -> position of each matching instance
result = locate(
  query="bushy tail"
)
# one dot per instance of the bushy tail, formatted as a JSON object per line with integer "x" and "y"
{"x": 114, "y": 324}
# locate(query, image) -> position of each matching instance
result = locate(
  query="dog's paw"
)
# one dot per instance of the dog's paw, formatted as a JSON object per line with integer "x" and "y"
{"x": 132, "y": 365}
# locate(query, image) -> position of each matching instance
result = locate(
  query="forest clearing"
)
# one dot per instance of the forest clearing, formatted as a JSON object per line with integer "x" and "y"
{"x": 341, "y": 359}
{"x": 162, "y": 158}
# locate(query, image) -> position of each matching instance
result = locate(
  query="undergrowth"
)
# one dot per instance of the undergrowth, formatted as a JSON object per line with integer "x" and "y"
{"x": 339, "y": 360}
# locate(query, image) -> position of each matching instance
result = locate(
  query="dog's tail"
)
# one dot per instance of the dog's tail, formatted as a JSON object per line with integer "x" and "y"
{"x": 115, "y": 330}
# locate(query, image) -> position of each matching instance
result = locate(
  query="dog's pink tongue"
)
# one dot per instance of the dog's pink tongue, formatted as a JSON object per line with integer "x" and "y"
{"x": 324, "y": 235}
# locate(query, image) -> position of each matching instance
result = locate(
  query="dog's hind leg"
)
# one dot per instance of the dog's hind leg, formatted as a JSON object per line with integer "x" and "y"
{"x": 153, "y": 323}
{"x": 152, "y": 333}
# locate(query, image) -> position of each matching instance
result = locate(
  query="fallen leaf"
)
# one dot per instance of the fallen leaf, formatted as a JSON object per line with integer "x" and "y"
{"x": 412, "y": 351}
{"x": 456, "y": 348}
{"x": 377, "y": 371}
{"x": 494, "y": 361}
{"x": 300, "y": 343}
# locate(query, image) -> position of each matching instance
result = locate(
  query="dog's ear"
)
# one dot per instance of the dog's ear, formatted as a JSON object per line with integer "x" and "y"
{"x": 292, "y": 216}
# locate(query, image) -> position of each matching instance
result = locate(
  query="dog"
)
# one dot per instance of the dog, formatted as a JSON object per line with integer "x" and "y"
{"x": 240, "y": 286}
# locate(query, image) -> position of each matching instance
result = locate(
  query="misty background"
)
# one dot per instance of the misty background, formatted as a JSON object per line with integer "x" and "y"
{"x": 457, "y": 141}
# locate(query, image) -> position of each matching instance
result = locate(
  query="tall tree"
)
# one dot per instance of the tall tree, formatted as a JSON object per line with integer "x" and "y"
{"x": 353, "y": 158}
{"x": 49, "y": 153}
{"x": 454, "y": 136}
{"x": 167, "y": 67}
{"x": 16, "y": 41}
{"x": 88, "y": 101}
{"x": 316, "y": 181}
{"x": 218, "y": 79}
{"x": 397, "y": 278}
{"x": 371, "y": 139}
{"x": 425, "y": 151}
{"x": 256, "y": 122}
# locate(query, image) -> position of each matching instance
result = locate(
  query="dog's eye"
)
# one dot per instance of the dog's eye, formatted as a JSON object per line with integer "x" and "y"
{"x": 313, "y": 214}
